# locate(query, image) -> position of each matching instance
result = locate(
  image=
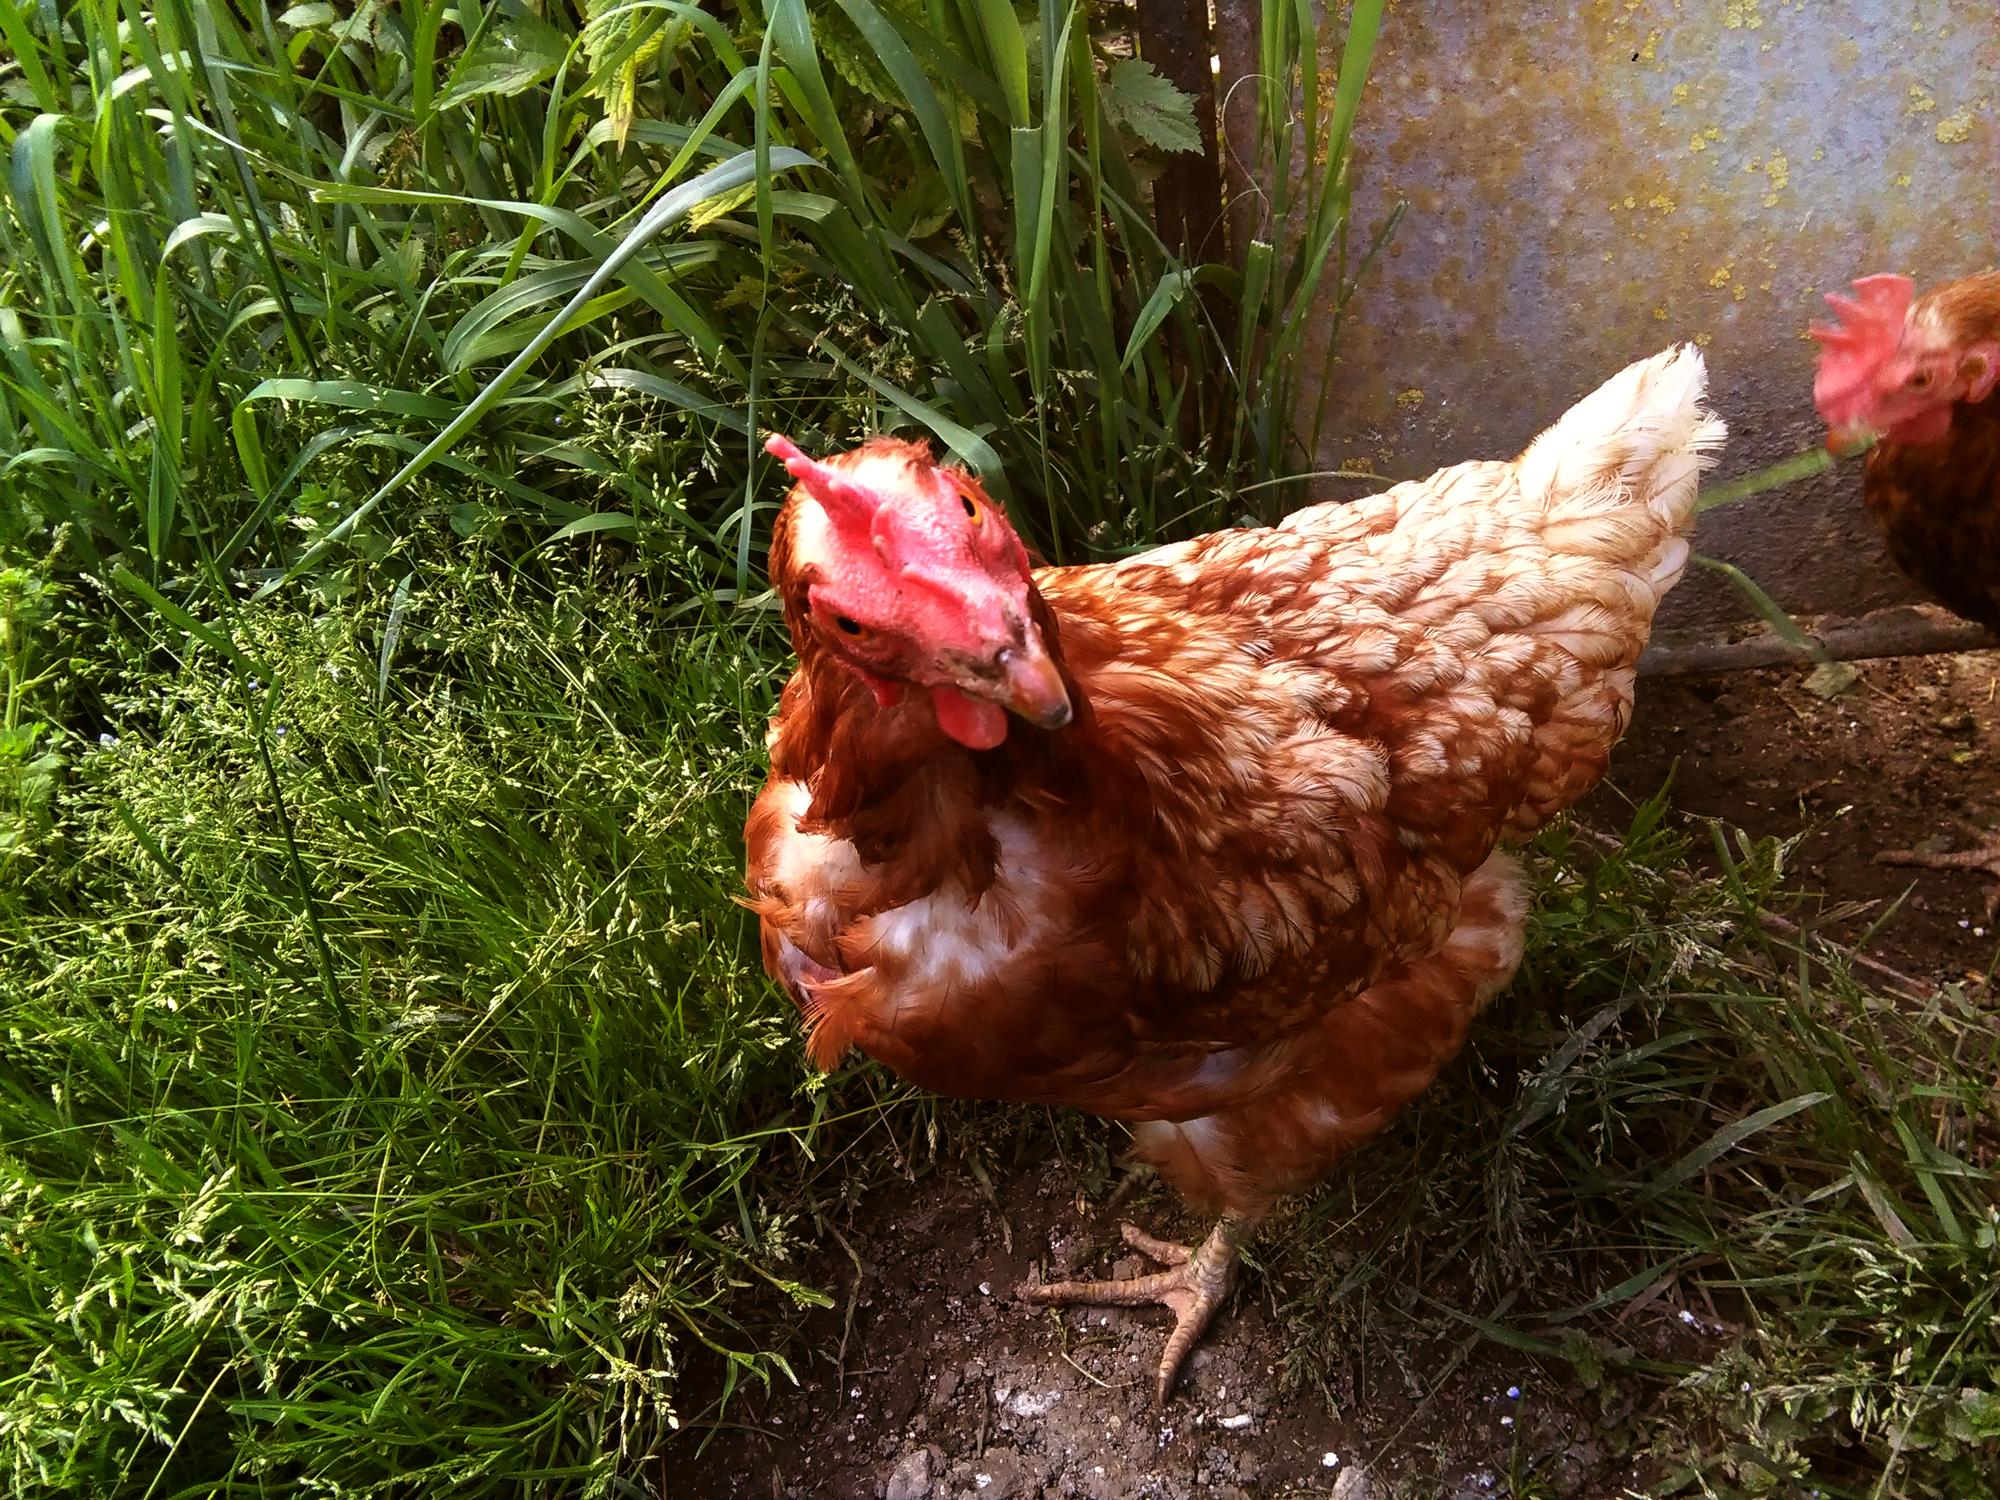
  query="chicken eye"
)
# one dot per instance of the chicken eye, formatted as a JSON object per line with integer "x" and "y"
{"x": 849, "y": 627}
{"x": 972, "y": 512}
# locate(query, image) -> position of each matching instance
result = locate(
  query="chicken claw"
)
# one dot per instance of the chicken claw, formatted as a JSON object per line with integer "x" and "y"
{"x": 1198, "y": 1283}
{"x": 1985, "y": 858}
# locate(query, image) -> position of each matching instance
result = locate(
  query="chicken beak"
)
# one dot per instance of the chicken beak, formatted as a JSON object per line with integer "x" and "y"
{"x": 1841, "y": 442}
{"x": 1034, "y": 687}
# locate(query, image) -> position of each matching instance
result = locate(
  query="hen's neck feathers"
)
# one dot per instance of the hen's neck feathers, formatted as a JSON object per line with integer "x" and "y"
{"x": 1967, "y": 311}
{"x": 887, "y": 777}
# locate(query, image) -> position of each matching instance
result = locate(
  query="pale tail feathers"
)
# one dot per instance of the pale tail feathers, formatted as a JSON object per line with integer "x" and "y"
{"x": 1643, "y": 436}
{"x": 1610, "y": 492}
{"x": 1616, "y": 479}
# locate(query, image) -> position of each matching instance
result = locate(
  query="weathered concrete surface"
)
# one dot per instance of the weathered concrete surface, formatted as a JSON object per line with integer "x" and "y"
{"x": 1590, "y": 181}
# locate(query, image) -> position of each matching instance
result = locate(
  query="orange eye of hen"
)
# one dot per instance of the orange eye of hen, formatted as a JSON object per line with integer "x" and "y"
{"x": 973, "y": 511}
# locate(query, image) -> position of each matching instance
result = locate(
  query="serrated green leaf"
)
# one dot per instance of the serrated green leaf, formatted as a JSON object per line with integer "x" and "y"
{"x": 621, "y": 40}
{"x": 1147, "y": 107}
{"x": 1583, "y": 1356}
{"x": 1975, "y": 1418}
{"x": 516, "y": 54}
{"x": 849, "y": 55}
{"x": 721, "y": 206}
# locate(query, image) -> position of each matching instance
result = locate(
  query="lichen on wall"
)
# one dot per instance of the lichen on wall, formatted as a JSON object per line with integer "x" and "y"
{"x": 1588, "y": 182}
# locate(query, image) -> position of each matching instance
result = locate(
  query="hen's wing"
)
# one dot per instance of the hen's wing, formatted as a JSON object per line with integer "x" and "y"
{"x": 1335, "y": 720}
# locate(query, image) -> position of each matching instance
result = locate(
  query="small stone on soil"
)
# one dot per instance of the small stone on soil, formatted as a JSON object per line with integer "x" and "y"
{"x": 911, "y": 1478}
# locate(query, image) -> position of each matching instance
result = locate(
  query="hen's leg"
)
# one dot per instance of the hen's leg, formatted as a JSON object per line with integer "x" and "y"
{"x": 1374, "y": 1054}
{"x": 1199, "y": 1281}
{"x": 1984, "y": 858}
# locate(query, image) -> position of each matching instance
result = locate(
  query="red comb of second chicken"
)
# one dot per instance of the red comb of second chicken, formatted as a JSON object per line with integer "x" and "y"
{"x": 1868, "y": 332}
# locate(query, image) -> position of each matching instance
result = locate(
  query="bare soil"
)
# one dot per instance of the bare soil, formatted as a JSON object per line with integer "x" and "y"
{"x": 929, "y": 1379}
{"x": 1908, "y": 757}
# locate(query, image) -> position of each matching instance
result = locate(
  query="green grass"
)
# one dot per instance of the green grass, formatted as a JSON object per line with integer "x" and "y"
{"x": 380, "y": 1072}
{"x": 235, "y": 238}
{"x": 1671, "y": 1103}
{"x": 390, "y": 1100}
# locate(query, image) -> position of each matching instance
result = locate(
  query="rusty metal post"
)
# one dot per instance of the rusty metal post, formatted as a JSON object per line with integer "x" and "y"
{"x": 1187, "y": 198}
{"x": 1239, "y": 26}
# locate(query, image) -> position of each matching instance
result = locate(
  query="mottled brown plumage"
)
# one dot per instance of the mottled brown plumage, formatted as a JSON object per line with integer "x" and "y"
{"x": 1248, "y": 896}
{"x": 1926, "y": 387}
{"x": 1939, "y": 502}
{"x": 1939, "y": 509}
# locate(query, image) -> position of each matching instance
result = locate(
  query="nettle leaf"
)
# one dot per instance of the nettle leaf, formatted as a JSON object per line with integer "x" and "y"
{"x": 840, "y": 42}
{"x": 1976, "y": 1417}
{"x": 721, "y": 206}
{"x": 1146, "y": 106}
{"x": 18, "y": 741}
{"x": 922, "y": 208}
{"x": 519, "y": 52}
{"x": 621, "y": 42}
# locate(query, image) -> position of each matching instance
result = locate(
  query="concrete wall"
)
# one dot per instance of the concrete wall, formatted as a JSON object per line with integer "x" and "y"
{"x": 1588, "y": 182}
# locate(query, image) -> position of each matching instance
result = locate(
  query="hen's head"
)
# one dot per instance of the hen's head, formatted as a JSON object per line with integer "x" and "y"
{"x": 908, "y": 575}
{"x": 1886, "y": 373}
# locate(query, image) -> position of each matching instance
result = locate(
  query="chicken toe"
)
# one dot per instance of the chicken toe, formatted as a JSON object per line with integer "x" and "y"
{"x": 1197, "y": 1282}
{"x": 1984, "y": 858}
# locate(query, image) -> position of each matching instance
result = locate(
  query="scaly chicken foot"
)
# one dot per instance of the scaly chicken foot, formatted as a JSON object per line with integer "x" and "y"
{"x": 1199, "y": 1282}
{"x": 1985, "y": 858}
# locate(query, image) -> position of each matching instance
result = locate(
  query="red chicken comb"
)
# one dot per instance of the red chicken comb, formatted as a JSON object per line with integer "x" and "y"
{"x": 1868, "y": 331}
{"x": 1870, "y": 321}
{"x": 844, "y": 501}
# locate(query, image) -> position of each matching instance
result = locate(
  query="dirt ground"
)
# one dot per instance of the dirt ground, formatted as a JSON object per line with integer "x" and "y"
{"x": 1909, "y": 756}
{"x": 929, "y": 1379}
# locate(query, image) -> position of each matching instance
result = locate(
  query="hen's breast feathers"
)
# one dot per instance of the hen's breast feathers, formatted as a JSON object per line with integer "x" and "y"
{"x": 1939, "y": 507}
{"x": 1301, "y": 741}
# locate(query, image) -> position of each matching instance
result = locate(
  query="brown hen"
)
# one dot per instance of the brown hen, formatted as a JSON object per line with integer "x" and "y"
{"x": 1920, "y": 377}
{"x": 1229, "y": 871}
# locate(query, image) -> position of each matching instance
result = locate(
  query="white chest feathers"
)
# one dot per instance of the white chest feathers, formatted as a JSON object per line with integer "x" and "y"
{"x": 949, "y": 938}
